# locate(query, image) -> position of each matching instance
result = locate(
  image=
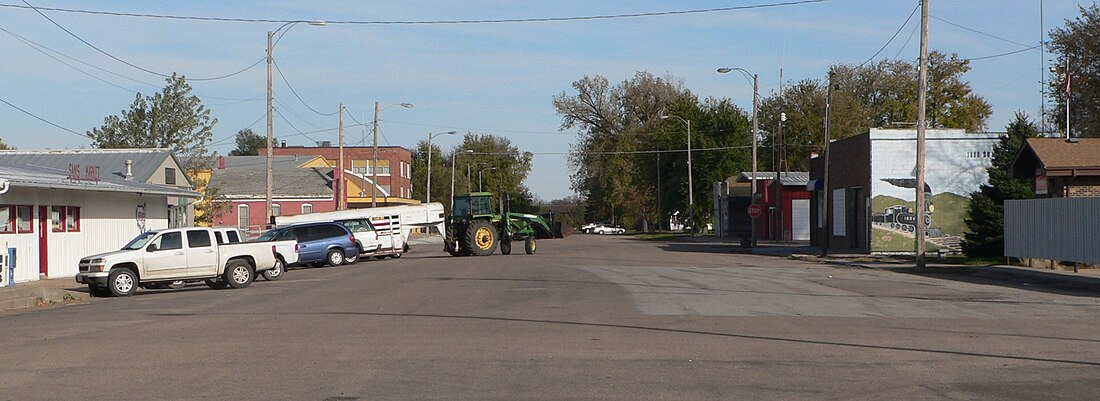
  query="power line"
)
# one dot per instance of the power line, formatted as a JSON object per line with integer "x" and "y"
{"x": 479, "y": 129}
{"x": 292, "y": 125}
{"x": 635, "y": 152}
{"x": 1005, "y": 54}
{"x": 430, "y": 22}
{"x": 288, "y": 85}
{"x": 979, "y": 32}
{"x": 37, "y": 10}
{"x": 36, "y": 46}
{"x": 295, "y": 113}
{"x": 43, "y": 119}
{"x": 892, "y": 37}
{"x": 907, "y": 40}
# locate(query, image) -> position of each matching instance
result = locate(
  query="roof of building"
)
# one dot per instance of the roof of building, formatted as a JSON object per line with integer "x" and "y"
{"x": 112, "y": 162}
{"x": 1057, "y": 153}
{"x": 47, "y": 177}
{"x": 788, "y": 178}
{"x": 246, "y": 176}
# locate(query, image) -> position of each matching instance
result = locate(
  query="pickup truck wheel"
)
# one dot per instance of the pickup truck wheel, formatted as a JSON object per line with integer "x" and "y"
{"x": 98, "y": 291}
{"x": 216, "y": 284}
{"x": 529, "y": 245}
{"x": 335, "y": 257}
{"x": 276, "y": 272}
{"x": 239, "y": 274}
{"x": 122, "y": 282}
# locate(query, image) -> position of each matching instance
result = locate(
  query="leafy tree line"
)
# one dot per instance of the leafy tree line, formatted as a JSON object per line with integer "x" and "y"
{"x": 615, "y": 162}
{"x": 493, "y": 163}
{"x": 1079, "y": 42}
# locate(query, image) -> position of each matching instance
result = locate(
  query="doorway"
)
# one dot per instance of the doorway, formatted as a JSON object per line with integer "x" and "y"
{"x": 43, "y": 240}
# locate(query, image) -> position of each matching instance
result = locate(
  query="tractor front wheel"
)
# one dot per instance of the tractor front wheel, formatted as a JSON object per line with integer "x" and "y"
{"x": 481, "y": 238}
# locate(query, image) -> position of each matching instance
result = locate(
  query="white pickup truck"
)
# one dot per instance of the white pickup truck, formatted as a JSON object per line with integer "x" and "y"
{"x": 189, "y": 254}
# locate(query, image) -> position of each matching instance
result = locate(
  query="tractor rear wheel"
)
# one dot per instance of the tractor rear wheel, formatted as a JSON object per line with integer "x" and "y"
{"x": 481, "y": 238}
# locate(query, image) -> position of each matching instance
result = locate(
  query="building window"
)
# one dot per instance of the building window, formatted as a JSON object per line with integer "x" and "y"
{"x": 57, "y": 219}
{"x": 72, "y": 219}
{"x": 65, "y": 218}
{"x": 24, "y": 218}
{"x": 401, "y": 171}
{"x": 276, "y": 210}
{"x": 242, "y": 216}
{"x": 7, "y": 219}
{"x": 307, "y": 208}
{"x": 169, "y": 176}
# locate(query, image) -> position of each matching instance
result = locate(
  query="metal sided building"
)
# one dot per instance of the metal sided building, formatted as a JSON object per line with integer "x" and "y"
{"x": 872, "y": 189}
{"x": 53, "y": 218}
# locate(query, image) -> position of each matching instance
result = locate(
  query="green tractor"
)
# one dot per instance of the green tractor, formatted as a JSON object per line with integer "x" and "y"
{"x": 473, "y": 228}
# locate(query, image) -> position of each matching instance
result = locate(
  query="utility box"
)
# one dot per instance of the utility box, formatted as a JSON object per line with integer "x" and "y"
{"x": 7, "y": 268}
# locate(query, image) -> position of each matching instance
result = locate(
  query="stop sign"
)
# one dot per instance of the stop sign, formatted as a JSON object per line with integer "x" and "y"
{"x": 755, "y": 210}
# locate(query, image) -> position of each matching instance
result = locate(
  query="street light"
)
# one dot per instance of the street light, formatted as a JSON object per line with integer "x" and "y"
{"x": 428, "y": 197}
{"x": 691, "y": 193}
{"x": 374, "y": 160}
{"x": 755, "y": 134}
{"x": 270, "y": 110}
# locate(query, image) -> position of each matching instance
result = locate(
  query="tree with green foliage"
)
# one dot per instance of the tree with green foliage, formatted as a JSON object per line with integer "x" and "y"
{"x": 614, "y": 161}
{"x": 1078, "y": 42}
{"x": 441, "y": 173}
{"x": 172, "y": 119}
{"x": 503, "y": 169}
{"x": 877, "y": 95}
{"x": 248, "y": 143}
{"x": 985, "y": 218}
{"x": 4, "y": 146}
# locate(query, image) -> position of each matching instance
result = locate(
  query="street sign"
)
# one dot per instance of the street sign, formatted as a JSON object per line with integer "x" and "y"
{"x": 755, "y": 210}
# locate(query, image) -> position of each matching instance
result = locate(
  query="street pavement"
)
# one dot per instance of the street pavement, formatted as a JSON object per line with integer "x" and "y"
{"x": 587, "y": 317}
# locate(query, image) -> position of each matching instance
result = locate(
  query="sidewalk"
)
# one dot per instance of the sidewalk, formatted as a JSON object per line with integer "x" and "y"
{"x": 41, "y": 293}
{"x": 1088, "y": 279}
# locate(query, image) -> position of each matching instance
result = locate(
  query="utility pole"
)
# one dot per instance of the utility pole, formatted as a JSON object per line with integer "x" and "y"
{"x": 778, "y": 160}
{"x": 270, "y": 137}
{"x": 374, "y": 162}
{"x": 1068, "y": 136}
{"x": 922, "y": 94}
{"x": 825, "y": 226}
{"x": 755, "y": 135}
{"x": 342, "y": 201}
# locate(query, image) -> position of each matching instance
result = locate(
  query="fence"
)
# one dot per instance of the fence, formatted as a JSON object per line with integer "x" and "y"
{"x": 1063, "y": 229}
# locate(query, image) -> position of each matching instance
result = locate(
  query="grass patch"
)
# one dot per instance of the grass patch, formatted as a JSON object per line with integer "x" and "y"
{"x": 659, "y": 236}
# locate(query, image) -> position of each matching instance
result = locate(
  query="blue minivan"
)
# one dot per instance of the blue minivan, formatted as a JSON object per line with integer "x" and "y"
{"x": 318, "y": 243}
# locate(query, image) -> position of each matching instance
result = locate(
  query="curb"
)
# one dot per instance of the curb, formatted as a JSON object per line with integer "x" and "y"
{"x": 1054, "y": 278}
{"x": 30, "y": 296}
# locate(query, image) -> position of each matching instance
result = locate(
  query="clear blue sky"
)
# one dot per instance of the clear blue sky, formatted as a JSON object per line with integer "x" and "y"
{"x": 491, "y": 78}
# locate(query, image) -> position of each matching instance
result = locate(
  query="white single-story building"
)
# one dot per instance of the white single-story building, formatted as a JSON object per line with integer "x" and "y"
{"x": 53, "y": 218}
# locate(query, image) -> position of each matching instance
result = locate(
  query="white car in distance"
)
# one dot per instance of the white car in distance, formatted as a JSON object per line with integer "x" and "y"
{"x": 603, "y": 229}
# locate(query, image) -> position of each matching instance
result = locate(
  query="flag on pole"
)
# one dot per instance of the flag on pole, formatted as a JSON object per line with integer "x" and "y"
{"x": 1067, "y": 83}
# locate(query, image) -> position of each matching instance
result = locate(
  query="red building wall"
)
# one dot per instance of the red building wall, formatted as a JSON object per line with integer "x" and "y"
{"x": 257, "y": 207}
{"x": 766, "y": 227}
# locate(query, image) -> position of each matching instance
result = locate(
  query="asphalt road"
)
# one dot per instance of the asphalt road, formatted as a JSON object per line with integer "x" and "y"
{"x": 588, "y": 317}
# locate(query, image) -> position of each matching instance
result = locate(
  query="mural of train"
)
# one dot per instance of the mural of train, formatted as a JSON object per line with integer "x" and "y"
{"x": 902, "y": 217}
